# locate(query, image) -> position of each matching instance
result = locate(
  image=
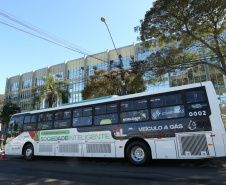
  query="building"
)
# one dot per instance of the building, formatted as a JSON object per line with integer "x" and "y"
{"x": 77, "y": 72}
{"x": 1, "y": 106}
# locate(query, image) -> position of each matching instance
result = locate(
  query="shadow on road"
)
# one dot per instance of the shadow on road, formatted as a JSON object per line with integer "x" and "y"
{"x": 212, "y": 162}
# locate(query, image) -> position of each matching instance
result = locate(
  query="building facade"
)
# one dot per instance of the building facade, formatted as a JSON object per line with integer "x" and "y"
{"x": 77, "y": 72}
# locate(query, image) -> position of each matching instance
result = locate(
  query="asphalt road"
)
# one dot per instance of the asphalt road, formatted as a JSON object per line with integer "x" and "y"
{"x": 87, "y": 171}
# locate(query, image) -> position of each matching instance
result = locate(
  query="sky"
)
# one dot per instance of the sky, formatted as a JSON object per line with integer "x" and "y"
{"x": 76, "y": 21}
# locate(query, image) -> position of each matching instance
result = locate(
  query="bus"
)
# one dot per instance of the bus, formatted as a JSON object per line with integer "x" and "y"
{"x": 181, "y": 122}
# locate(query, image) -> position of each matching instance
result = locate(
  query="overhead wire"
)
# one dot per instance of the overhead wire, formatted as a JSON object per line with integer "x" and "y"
{"x": 38, "y": 30}
{"x": 40, "y": 37}
{"x": 57, "y": 41}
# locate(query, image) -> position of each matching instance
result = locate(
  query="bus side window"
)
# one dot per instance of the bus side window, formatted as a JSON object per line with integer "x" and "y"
{"x": 134, "y": 111}
{"x": 62, "y": 119}
{"x": 166, "y": 100}
{"x": 17, "y": 124}
{"x": 45, "y": 121}
{"x": 100, "y": 109}
{"x": 41, "y": 117}
{"x": 112, "y": 108}
{"x": 104, "y": 116}
{"x": 106, "y": 119}
{"x": 27, "y": 119}
{"x": 49, "y": 116}
{"x": 87, "y": 111}
{"x": 67, "y": 114}
{"x": 195, "y": 96}
{"x": 21, "y": 119}
{"x": 58, "y": 115}
{"x": 135, "y": 116}
{"x": 127, "y": 105}
{"x": 29, "y": 124}
{"x": 33, "y": 118}
{"x": 82, "y": 117}
{"x": 167, "y": 106}
{"x": 140, "y": 104}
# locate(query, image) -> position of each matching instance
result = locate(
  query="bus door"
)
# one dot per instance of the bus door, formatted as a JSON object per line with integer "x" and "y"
{"x": 195, "y": 145}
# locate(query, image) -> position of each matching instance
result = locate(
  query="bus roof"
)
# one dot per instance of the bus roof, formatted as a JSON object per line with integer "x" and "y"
{"x": 84, "y": 101}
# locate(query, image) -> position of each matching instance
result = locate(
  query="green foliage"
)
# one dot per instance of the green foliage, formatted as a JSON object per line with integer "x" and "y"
{"x": 104, "y": 84}
{"x": 53, "y": 90}
{"x": 8, "y": 110}
{"x": 192, "y": 33}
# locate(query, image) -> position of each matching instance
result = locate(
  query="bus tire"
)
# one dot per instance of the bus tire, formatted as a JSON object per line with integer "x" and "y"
{"x": 29, "y": 152}
{"x": 138, "y": 153}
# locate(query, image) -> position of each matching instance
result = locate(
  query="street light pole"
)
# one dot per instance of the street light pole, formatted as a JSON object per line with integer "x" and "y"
{"x": 122, "y": 73}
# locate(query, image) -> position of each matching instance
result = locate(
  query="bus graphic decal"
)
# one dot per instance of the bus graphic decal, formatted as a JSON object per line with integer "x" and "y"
{"x": 32, "y": 134}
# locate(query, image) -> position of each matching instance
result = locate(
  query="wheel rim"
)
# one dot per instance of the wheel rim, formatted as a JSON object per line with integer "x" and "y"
{"x": 28, "y": 152}
{"x": 137, "y": 153}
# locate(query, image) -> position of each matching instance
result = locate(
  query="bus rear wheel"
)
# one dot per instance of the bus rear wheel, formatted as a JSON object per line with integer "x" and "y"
{"x": 138, "y": 153}
{"x": 29, "y": 152}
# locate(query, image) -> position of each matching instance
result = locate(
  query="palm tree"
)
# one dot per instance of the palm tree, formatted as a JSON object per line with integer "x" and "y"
{"x": 52, "y": 91}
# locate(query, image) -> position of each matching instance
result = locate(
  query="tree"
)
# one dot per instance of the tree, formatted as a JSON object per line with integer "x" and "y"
{"x": 52, "y": 91}
{"x": 193, "y": 33}
{"x": 104, "y": 84}
{"x": 7, "y": 111}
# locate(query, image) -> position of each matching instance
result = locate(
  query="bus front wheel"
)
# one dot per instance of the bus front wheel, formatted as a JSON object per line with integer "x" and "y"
{"x": 29, "y": 152}
{"x": 138, "y": 153}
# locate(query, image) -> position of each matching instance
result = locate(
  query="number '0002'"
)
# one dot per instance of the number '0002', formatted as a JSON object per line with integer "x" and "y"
{"x": 199, "y": 113}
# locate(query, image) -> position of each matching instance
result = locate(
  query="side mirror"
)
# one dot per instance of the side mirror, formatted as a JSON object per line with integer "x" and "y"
{"x": 13, "y": 126}
{"x": 11, "y": 123}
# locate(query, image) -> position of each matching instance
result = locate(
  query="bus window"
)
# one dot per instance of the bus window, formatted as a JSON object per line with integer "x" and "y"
{"x": 195, "y": 96}
{"x": 102, "y": 116}
{"x": 134, "y": 116}
{"x": 45, "y": 121}
{"x": 161, "y": 107}
{"x": 33, "y": 119}
{"x": 49, "y": 116}
{"x": 87, "y": 111}
{"x": 58, "y": 115}
{"x": 82, "y": 121}
{"x": 106, "y": 119}
{"x": 28, "y": 125}
{"x": 157, "y": 101}
{"x": 166, "y": 100}
{"x": 41, "y": 117}
{"x": 67, "y": 114}
{"x": 77, "y": 113}
{"x": 168, "y": 112}
{"x": 134, "y": 111}
{"x": 27, "y": 119}
{"x": 173, "y": 99}
{"x": 127, "y": 105}
{"x": 62, "y": 119}
{"x": 140, "y": 104}
{"x": 112, "y": 108}
{"x": 17, "y": 124}
{"x": 82, "y": 117}
{"x": 100, "y": 109}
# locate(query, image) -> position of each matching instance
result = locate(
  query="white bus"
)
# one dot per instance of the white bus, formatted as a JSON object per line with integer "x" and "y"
{"x": 181, "y": 122}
